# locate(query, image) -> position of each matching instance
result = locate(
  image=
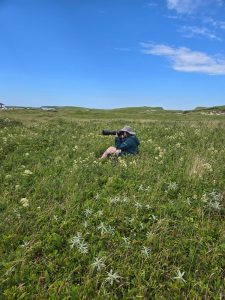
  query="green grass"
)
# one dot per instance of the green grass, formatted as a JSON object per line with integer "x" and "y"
{"x": 143, "y": 114}
{"x": 155, "y": 221}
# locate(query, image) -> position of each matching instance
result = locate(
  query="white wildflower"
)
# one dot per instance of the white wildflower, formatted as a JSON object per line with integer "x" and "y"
{"x": 99, "y": 213}
{"x": 114, "y": 200}
{"x": 25, "y": 202}
{"x": 123, "y": 163}
{"x": 85, "y": 224}
{"x": 137, "y": 205}
{"x": 99, "y": 263}
{"x": 216, "y": 205}
{"x": 197, "y": 131}
{"x": 125, "y": 199}
{"x": 27, "y": 172}
{"x": 188, "y": 200}
{"x": 103, "y": 228}
{"x": 208, "y": 167}
{"x": 96, "y": 197}
{"x": 172, "y": 186}
{"x": 212, "y": 200}
{"x": 133, "y": 163}
{"x": 142, "y": 188}
{"x": 77, "y": 239}
{"x": 112, "y": 277}
{"x": 88, "y": 212}
{"x": 111, "y": 230}
{"x": 179, "y": 276}
{"x": 146, "y": 251}
{"x": 153, "y": 217}
{"x": 150, "y": 235}
{"x": 82, "y": 247}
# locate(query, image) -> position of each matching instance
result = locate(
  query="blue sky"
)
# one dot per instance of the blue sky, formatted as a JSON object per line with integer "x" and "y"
{"x": 106, "y": 54}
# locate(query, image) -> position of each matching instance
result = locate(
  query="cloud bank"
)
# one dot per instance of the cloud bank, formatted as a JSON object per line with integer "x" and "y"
{"x": 185, "y": 60}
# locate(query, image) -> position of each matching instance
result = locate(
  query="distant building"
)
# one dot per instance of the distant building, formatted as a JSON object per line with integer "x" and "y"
{"x": 2, "y": 105}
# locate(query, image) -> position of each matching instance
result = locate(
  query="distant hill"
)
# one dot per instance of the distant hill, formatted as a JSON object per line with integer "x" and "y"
{"x": 145, "y": 110}
{"x": 207, "y": 110}
{"x": 135, "y": 110}
{"x": 221, "y": 108}
{"x": 200, "y": 107}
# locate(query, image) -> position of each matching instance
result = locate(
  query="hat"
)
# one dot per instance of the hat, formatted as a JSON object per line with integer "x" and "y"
{"x": 127, "y": 129}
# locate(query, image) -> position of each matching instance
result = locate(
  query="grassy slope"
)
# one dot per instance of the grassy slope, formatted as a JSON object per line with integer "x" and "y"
{"x": 148, "y": 217}
{"x": 78, "y": 113}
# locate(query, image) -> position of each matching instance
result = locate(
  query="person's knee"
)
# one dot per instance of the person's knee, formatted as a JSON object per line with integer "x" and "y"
{"x": 111, "y": 148}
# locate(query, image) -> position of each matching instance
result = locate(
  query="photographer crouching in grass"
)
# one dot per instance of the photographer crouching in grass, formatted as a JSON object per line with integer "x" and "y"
{"x": 126, "y": 142}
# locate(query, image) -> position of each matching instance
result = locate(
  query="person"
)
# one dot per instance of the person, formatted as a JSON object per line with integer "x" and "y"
{"x": 126, "y": 143}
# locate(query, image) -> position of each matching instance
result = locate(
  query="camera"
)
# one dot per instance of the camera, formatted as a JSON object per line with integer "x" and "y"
{"x": 112, "y": 132}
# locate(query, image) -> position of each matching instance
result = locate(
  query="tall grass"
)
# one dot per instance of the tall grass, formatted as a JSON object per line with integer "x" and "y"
{"x": 149, "y": 226}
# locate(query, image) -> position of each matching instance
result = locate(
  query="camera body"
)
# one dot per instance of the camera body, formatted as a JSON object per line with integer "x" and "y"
{"x": 112, "y": 132}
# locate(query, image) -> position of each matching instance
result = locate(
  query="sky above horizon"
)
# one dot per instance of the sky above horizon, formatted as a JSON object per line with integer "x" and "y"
{"x": 108, "y": 54}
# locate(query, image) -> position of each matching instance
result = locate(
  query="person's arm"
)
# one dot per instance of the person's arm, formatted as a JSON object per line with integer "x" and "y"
{"x": 123, "y": 144}
{"x": 118, "y": 142}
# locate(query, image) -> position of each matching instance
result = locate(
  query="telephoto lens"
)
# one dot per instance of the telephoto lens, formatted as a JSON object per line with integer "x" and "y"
{"x": 109, "y": 132}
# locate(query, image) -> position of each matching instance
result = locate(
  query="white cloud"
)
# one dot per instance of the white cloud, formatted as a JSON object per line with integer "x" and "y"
{"x": 189, "y": 6}
{"x": 182, "y": 6}
{"x": 192, "y": 31}
{"x": 215, "y": 23}
{"x": 185, "y": 60}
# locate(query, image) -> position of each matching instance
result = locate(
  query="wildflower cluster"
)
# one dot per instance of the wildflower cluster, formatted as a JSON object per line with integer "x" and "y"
{"x": 213, "y": 200}
{"x": 78, "y": 241}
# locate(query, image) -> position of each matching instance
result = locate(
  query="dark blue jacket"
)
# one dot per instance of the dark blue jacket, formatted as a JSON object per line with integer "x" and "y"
{"x": 127, "y": 145}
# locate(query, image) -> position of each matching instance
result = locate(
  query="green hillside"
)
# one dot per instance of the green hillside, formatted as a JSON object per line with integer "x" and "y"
{"x": 128, "y": 113}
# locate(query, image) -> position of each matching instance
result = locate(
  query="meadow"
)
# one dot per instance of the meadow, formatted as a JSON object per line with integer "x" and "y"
{"x": 149, "y": 226}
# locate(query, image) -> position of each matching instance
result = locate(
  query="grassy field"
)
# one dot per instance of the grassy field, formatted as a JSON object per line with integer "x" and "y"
{"x": 149, "y": 226}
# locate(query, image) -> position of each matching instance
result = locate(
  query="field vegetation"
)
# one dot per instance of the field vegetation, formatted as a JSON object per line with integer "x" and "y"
{"x": 149, "y": 226}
